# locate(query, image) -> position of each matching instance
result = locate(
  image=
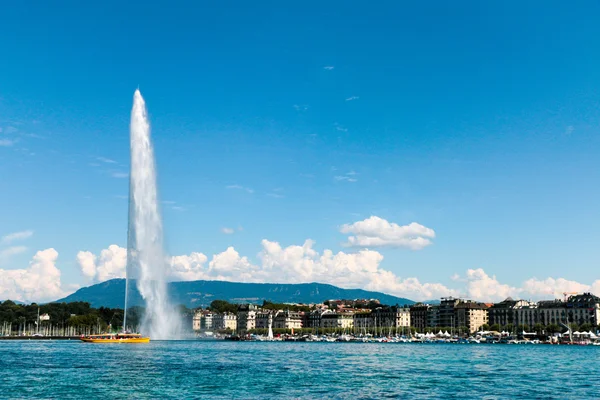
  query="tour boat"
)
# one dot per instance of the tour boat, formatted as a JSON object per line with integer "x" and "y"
{"x": 115, "y": 338}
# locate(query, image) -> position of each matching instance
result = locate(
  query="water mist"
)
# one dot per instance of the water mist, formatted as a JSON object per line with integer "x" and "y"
{"x": 146, "y": 262}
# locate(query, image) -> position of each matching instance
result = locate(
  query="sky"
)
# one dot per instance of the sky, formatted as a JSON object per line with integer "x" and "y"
{"x": 422, "y": 150}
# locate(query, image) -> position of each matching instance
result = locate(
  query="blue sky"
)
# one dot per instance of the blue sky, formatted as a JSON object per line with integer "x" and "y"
{"x": 478, "y": 121}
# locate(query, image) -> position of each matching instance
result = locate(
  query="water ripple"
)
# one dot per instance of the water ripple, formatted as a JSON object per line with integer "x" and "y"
{"x": 215, "y": 370}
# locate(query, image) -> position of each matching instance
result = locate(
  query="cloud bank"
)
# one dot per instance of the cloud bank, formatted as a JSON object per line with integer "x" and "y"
{"x": 360, "y": 267}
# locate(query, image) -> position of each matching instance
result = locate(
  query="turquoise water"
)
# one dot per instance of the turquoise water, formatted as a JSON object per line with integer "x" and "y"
{"x": 254, "y": 370}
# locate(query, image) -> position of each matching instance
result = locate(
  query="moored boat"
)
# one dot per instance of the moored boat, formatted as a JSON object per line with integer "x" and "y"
{"x": 115, "y": 338}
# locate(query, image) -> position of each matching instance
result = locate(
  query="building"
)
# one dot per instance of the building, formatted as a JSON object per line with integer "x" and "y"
{"x": 419, "y": 316}
{"x": 583, "y": 309}
{"x": 246, "y": 317}
{"x": 337, "y": 320}
{"x": 225, "y": 321}
{"x": 287, "y": 320}
{"x": 470, "y": 314}
{"x": 313, "y": 319}
{"x": 446, "y": 312}
{"x": 392, "y": 317}
{"x": 526, "y": 314}
{"x": 433, "y": 316}
{"x": 264, "y": 319}
{"x": 505, "y": 312}
{"x": 202, "y": 320}
{"x": 552, "y": 312}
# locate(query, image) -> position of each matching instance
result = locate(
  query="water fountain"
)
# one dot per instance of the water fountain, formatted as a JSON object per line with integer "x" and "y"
{"x": 146, "y": 262}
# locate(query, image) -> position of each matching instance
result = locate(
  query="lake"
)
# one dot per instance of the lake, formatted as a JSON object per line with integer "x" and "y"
{"x": 259, "y": 370}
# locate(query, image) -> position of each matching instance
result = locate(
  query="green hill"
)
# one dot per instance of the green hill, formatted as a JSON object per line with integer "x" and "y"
{"x": 201, "y": 293}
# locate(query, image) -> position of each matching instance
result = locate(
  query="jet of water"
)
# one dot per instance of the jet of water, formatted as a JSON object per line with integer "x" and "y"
{"x": 146, "y": 262}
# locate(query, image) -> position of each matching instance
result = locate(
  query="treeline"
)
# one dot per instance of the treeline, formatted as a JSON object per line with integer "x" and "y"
{"x": 223, "y": 306}
{"x": 71, "y": 318}
{"x": 76, "y": 314}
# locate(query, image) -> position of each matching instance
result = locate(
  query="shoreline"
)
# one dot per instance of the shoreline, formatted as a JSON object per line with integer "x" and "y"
{"x": 39, "y": 337}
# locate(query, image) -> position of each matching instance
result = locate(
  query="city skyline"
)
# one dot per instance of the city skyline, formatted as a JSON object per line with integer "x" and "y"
{"x": 444, "y": 154}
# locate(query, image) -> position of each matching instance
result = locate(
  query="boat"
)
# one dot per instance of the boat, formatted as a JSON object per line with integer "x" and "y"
{"x": 115, "y": 338}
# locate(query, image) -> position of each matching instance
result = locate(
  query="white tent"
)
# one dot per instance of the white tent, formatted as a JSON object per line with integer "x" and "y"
{"x": 446, "y": 334}
{"x": 440, "y": 333}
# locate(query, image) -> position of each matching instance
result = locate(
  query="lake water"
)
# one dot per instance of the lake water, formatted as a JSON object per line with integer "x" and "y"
{"x": 255, "y": 370}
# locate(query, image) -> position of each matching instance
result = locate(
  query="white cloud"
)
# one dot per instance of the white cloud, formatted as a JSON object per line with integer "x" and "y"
{"x": 40, "y": 282}
{"x": 120, "y": 175}
{"x": 7, "y": 142}
{"x": 228, "y": 231}
{"x": 292, "y": 264}
{"x": 106, "y": 160}
{"x": 188, "y": 268}
{"x": 481, "y": 286}
{"x": 11, "y": 251}
{"x": 351, "y": 98}
{"x": 111, "y": 264}
{"x": 300, "y": 107}
{"x": 276, "y": 195}
{"x": 569, "y": 129}
{"x": 344, "y": 178}
{"x": 378, "y": 232}
{"x": 240, "y": 187}
{"x": 329, "y": 67}
{"x": 278, "y": 264}
{"x": 11, "y": 237}
{"x": 554, "y": 288}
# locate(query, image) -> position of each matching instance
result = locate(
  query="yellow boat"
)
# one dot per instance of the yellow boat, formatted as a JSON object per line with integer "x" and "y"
{"x": 116, "y": 338}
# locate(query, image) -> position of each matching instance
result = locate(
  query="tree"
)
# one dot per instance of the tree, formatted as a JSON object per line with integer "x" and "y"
{"x": 585, "y": 327}
{"x": 538, "y": 328}
{"x": 222, "y": 306}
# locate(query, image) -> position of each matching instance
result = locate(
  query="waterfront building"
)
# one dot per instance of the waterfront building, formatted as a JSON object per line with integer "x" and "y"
{"x": 287, "y": 320}
{"x": 225, "y": 321}
{"x": 446, "y": 312}
{"x": 505, "y": 312}
{"x": 202, "y": 320}
{"x": 196, "y": 320}
{"x": 470, "y": 314}
{"x": 264, "y": 319}
{"x": 419, "y": 316}
{"x": 433, "y": 316}
{"x": 313, "y": 319}
{"x": 552, "y": 312}
{"x": 246, "y": 317}
{"x": 343, "y": 320}
{"x": 583, "y": 309}
{"x": 391, "y": 317}
{"x": 362, "y": 321}
{"x": 526, "y": 314}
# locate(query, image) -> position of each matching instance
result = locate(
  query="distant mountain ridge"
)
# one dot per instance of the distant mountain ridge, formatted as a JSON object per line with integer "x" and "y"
{"x": 201, "y": 293}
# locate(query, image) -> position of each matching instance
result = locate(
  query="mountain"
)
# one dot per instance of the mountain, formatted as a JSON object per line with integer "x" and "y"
{"x": 200, "y": 293}
{"x": 14, "y": 301}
